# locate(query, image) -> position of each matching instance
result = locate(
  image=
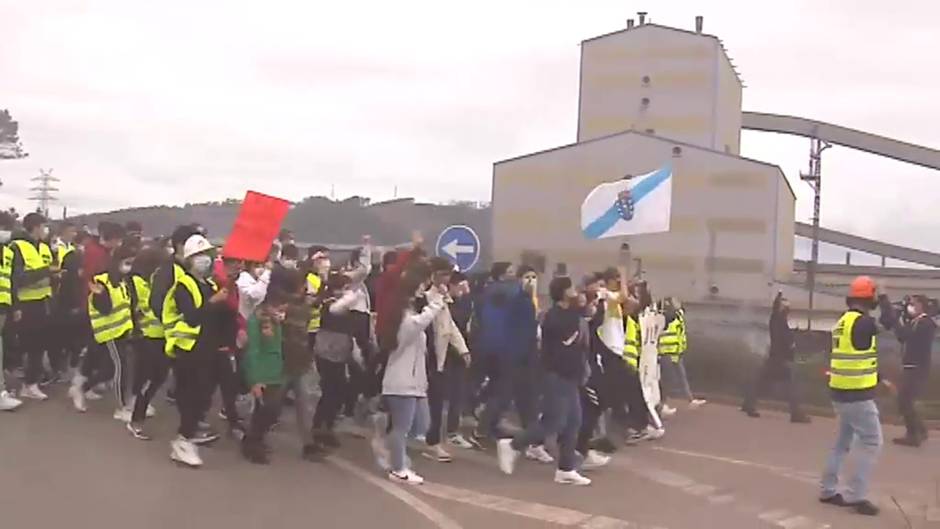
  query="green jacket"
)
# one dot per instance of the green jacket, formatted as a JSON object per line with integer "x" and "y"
{"x": 264, "y": 359}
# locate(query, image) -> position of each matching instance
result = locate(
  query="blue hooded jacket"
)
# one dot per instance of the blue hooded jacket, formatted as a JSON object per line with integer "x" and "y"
{"x": 508, "y": 322}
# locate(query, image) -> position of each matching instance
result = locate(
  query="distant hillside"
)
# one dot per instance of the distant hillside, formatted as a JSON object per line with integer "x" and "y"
{"x": 318, "y": 220}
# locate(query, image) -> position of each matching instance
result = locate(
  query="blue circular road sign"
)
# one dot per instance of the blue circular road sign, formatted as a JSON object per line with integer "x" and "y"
{"x": 460, "y": 245}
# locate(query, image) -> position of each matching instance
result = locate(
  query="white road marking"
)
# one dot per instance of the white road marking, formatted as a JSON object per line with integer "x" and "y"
{"x": 714, "y": 494}
{"x": 806, "y": 477}
{"x": 441, "y": 520}
{"x": 536, "y": 511}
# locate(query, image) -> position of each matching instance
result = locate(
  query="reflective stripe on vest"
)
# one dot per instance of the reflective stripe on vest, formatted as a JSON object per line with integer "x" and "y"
{"x": 631, "y": 344}
{"x": 850, "y": 368}
{"x": 170, "y": 314}
{"x": 63, "y": 251}
{"x": 181, "y": 335}
{"x": 684, "y": 333}
{"x": 6, "y": 273}
{"x": 313, "y": 287}
{"x": 34, "y": 259}
{"x": 670, "y": 341}
{"x": 147, "y": 323}
{"x": 117, "y": 323}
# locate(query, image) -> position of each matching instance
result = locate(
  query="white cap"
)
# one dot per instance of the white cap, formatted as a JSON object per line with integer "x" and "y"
{"x": 196, "y": 244}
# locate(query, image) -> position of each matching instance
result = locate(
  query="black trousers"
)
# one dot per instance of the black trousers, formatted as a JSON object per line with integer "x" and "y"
{"x": 446, "y": 386}
{"x": 267, "y": 410}
{"x": 71, "y": 334}
{"x": 34, "y": 333}
{"x": 774, "y": 371}
{"x": 224, "y": 376}
{"x": 591, "y": 410}
{"x": 108, "y": 362}
{"x": 193, "y": 372}
{"x": 150, "y": 372}
{"x": 625, "y": 392}
{"x": 333, "y": 384}
{"x": 913, "y": 383}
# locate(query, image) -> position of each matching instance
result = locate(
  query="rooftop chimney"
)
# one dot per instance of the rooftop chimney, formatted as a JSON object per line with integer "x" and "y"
{"x": 629, "y": 23}
{"x": 699, "y": 21}
{"x": 642, "y": 16}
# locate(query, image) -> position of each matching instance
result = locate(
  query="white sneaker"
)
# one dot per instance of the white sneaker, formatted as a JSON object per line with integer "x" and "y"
{"x": 151, "y": 411}
{"x": 123, "y": 414}
{"x": 78, "y": 399}
{"x": 571, "y": 478}
{"x": 697, "y": 403}
{"x": 91, "y": 395}
{"x": 506, "y": 455}
{"x": 459, "y": 441}
{"x": 407, "y": 476}
{"x": 538, "y": 453}
{"x": 653, "y": 434}
{"x": 8, "y": 403}
{"x": 32, "y": 391}
{"x": 594, "y": 459}
{"x": 668, "y": 411}
{"x": 184, "y": 452}
{"x": 437, "y": 453}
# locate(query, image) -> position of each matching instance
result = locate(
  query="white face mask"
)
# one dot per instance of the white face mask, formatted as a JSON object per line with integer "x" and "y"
{"x": 911, "y": 310}
{"x": 5, "y": 236}
{"x": 169, "y": 250}
{"x": 289, "y": 264}
{"x": 125, "y": 268}
{"x": 201, "y": 265}
{"x": 44, "y": 232}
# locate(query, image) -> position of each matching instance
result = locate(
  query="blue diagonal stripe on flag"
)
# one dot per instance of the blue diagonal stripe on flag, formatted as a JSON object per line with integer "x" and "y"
{"x": 602, "y": 224}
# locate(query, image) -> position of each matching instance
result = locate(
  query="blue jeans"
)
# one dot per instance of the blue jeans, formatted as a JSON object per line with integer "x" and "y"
{"x": 675, "y": 377}
{"x": 410, "y": 415}
{"x": 856, "y": 420}
{"x": 561, "y": 415}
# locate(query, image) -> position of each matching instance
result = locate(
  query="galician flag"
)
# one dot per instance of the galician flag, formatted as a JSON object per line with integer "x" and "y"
{"x": 641, "y": 204}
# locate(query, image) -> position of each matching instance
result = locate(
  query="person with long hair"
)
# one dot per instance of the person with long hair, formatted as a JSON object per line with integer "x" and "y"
{"x": 405, "y": 383}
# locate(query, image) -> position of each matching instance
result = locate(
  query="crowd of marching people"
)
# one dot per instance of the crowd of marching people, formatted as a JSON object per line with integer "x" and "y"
{"x": 426, "y": 353}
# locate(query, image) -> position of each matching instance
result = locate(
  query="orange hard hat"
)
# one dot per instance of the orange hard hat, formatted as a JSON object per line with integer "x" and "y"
{"x": 862, "y": 287}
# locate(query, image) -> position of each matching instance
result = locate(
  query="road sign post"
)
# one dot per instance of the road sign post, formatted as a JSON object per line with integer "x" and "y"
{"x": 459, "y": 244}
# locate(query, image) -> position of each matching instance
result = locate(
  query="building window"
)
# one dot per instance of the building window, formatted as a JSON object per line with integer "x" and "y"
{"x": 650, "y": 131}
{"x": 645, "y": 80}
{"x": 645, "y": 102}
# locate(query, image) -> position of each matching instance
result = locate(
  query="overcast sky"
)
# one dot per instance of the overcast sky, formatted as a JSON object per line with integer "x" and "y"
{"x": 140, "y": 103}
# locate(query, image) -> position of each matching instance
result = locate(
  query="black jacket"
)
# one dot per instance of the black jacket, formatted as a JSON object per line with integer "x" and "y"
{"x": 917, "y": 336}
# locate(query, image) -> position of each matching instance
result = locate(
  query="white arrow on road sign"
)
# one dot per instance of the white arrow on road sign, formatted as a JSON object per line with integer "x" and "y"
{"x": 453, "y": 248}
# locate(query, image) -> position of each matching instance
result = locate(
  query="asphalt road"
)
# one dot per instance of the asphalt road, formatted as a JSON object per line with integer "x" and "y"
{"x": 714, "y": 468}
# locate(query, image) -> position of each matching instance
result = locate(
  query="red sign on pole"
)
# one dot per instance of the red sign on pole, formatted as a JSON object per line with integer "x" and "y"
{"x": 256, "y": 227}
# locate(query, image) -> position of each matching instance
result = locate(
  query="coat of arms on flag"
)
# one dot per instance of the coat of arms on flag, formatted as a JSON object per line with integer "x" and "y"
{"x": 642, "y": 204}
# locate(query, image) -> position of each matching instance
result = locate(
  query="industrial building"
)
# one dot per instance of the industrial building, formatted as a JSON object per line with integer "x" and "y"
{"x": 652, "y": 96}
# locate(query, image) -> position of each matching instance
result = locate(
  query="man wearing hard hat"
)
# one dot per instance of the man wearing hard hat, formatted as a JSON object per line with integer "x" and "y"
{"x": 192, "y": 317}
{"x": 853, "y": 379}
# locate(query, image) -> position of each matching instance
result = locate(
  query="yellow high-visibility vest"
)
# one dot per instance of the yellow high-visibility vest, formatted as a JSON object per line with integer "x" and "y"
{"x": 6, "y": 274}
{"x": 670, "y": 341}
{"x": 147, "y": 323}
{"x": 850, "y": 368}
{"x": 631, "y": 344}
{"x": 313, "y": 287}
{"x": 117, "y": 323}
{"x": 34, "y": 258}
{"x": 181, "y": 335}
{"x": 63, "y": 251}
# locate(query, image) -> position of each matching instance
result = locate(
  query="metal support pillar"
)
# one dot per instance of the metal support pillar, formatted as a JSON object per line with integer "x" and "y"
{"x": 814, "y": 178}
